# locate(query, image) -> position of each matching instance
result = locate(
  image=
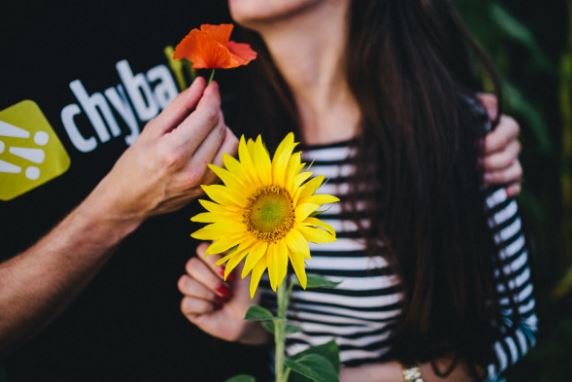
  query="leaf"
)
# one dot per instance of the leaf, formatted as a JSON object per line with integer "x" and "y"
{"x": 314, "y": 367}
{"x": 258, "y": 313}
{"x": 520, "y": 34}
{"x": 241, "y": 378}
{"x": 291, "y": 329}
{"x": 315, "y": 281}
{"x": 329, "y": 350}
{"x": 269, "y": 326}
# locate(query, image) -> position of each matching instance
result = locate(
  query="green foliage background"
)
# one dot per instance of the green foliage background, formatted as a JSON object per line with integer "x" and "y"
{"x": 530, "y": 42}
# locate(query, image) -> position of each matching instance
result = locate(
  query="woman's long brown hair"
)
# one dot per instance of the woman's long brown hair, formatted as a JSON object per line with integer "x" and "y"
{"x": 409, "y": 68}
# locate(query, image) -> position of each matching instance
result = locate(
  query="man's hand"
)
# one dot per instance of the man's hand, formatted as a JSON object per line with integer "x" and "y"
{"x": 500, "y": 150}
{"x": 163, "y": 170}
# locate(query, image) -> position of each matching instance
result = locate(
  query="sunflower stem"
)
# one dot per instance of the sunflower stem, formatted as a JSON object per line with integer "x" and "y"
{"x": 282, "y": 297}
{"x": 211, "y": 76}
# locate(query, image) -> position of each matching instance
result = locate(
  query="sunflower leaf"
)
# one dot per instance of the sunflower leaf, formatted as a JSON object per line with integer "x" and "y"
{"x": 314, "y": 367}
{"x": 258, "y": 313}
{"x": 329, "y": 350}
{"x": 315, "y": 281}
{"x": 268, "y": 326}
{"x": 291, "y": 329}
{"x": 241, "y": 378}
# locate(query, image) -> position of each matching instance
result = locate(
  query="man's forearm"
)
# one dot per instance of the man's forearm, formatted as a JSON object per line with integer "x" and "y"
{"x": 38, "y": 283}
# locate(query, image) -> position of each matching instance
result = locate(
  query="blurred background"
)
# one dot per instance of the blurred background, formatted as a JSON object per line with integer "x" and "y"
{"x": 531, "y": 45}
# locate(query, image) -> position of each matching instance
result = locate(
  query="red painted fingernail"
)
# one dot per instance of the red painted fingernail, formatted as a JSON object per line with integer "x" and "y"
{"x": 223, "y": 291}
{"x": 230, "y": 277}
{"x": 221, "y": 270}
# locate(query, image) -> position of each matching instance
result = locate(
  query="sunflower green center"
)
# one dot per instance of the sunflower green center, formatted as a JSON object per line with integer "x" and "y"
{"x": 270, "y": 213}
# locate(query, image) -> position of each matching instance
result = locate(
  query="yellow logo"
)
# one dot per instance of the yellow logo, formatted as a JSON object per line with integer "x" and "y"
{"x": 31, "y": 153}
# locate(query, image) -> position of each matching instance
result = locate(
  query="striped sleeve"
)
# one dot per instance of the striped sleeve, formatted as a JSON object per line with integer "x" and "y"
{"x": 512, "y": 266}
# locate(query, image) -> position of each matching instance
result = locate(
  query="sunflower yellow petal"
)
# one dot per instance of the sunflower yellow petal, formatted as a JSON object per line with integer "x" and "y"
{"x": 220, "y": 246}
{"x": 217, "y": 208}
{"x": 257, "y": 252}
{"x": 226, "y": 257}
{"x": 256, "y": 275}
{"x": 302, "y": 177}
{"x": 297, "y": 243}
{"x": 317, "y": 235}
{"x": 320, "y": 224}
{"x": 281, "y": 253}
{"x": 225, "y": 196}
{"x": 297, "y": 261}
{"x": 320, "y": 199}
{"x": 234, "y": 261}
{"x": 310, "y": 187}
{"x": 244, "y": 247}
{"x": 272, "y": 262}
{"x": 304, "y": 210}
{"x": 262, "y": 161}
{"x": 281, "y": 157}
{"x": 210, "y": 217}
{"x": 292, "y": 170}
{"x": 233, "y": 166}
{"x": 228, "y": 178}
{"x": 217, "y": 230}
{"x": 246, "y": 161}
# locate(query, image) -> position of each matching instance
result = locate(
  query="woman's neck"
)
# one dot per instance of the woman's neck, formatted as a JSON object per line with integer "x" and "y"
{"x": 309, "y": 50}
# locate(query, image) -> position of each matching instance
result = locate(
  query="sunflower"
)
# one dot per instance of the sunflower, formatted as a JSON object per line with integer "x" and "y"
{"x": 264, "y": 212}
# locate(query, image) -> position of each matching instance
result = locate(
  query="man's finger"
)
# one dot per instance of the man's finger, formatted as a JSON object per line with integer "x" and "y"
{"x": 177, "y": 110}
{"x": 229, "y": 146}
{"x": 205, "y": 153}
{"x": 195, "y": 128}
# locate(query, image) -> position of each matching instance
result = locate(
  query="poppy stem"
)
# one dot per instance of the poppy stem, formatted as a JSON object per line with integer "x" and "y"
{"x": 211, "y": 76}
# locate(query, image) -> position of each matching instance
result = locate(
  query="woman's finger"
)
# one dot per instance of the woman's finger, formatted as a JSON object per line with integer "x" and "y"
{"x": 508, "y": 130}
{"x": 509, "y": 175}
{"x": 490, "y": 103}
{"x": 513, "y": 190}
{"x": 192, "y": 288}
{"x": 192, "y": 307}
{"x": 204, "y": 274}
{"x": 211, "y": 260}
{"x": 500, "y": 160}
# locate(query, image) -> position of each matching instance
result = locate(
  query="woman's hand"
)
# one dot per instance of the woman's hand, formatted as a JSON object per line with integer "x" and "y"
{"x": 216, "y": 307}
{"x": 499, "y": 158}
{"x": 164, "y": 168}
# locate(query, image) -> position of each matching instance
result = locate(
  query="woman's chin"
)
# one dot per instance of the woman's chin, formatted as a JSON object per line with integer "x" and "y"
{"x": 250, "y": 13}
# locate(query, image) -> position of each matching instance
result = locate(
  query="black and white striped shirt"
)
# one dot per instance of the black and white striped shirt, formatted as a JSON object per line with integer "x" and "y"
{"x": 362, "y": 311}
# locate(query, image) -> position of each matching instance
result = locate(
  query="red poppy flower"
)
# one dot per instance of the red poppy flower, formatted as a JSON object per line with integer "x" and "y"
{"x": 210, "y": 48}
